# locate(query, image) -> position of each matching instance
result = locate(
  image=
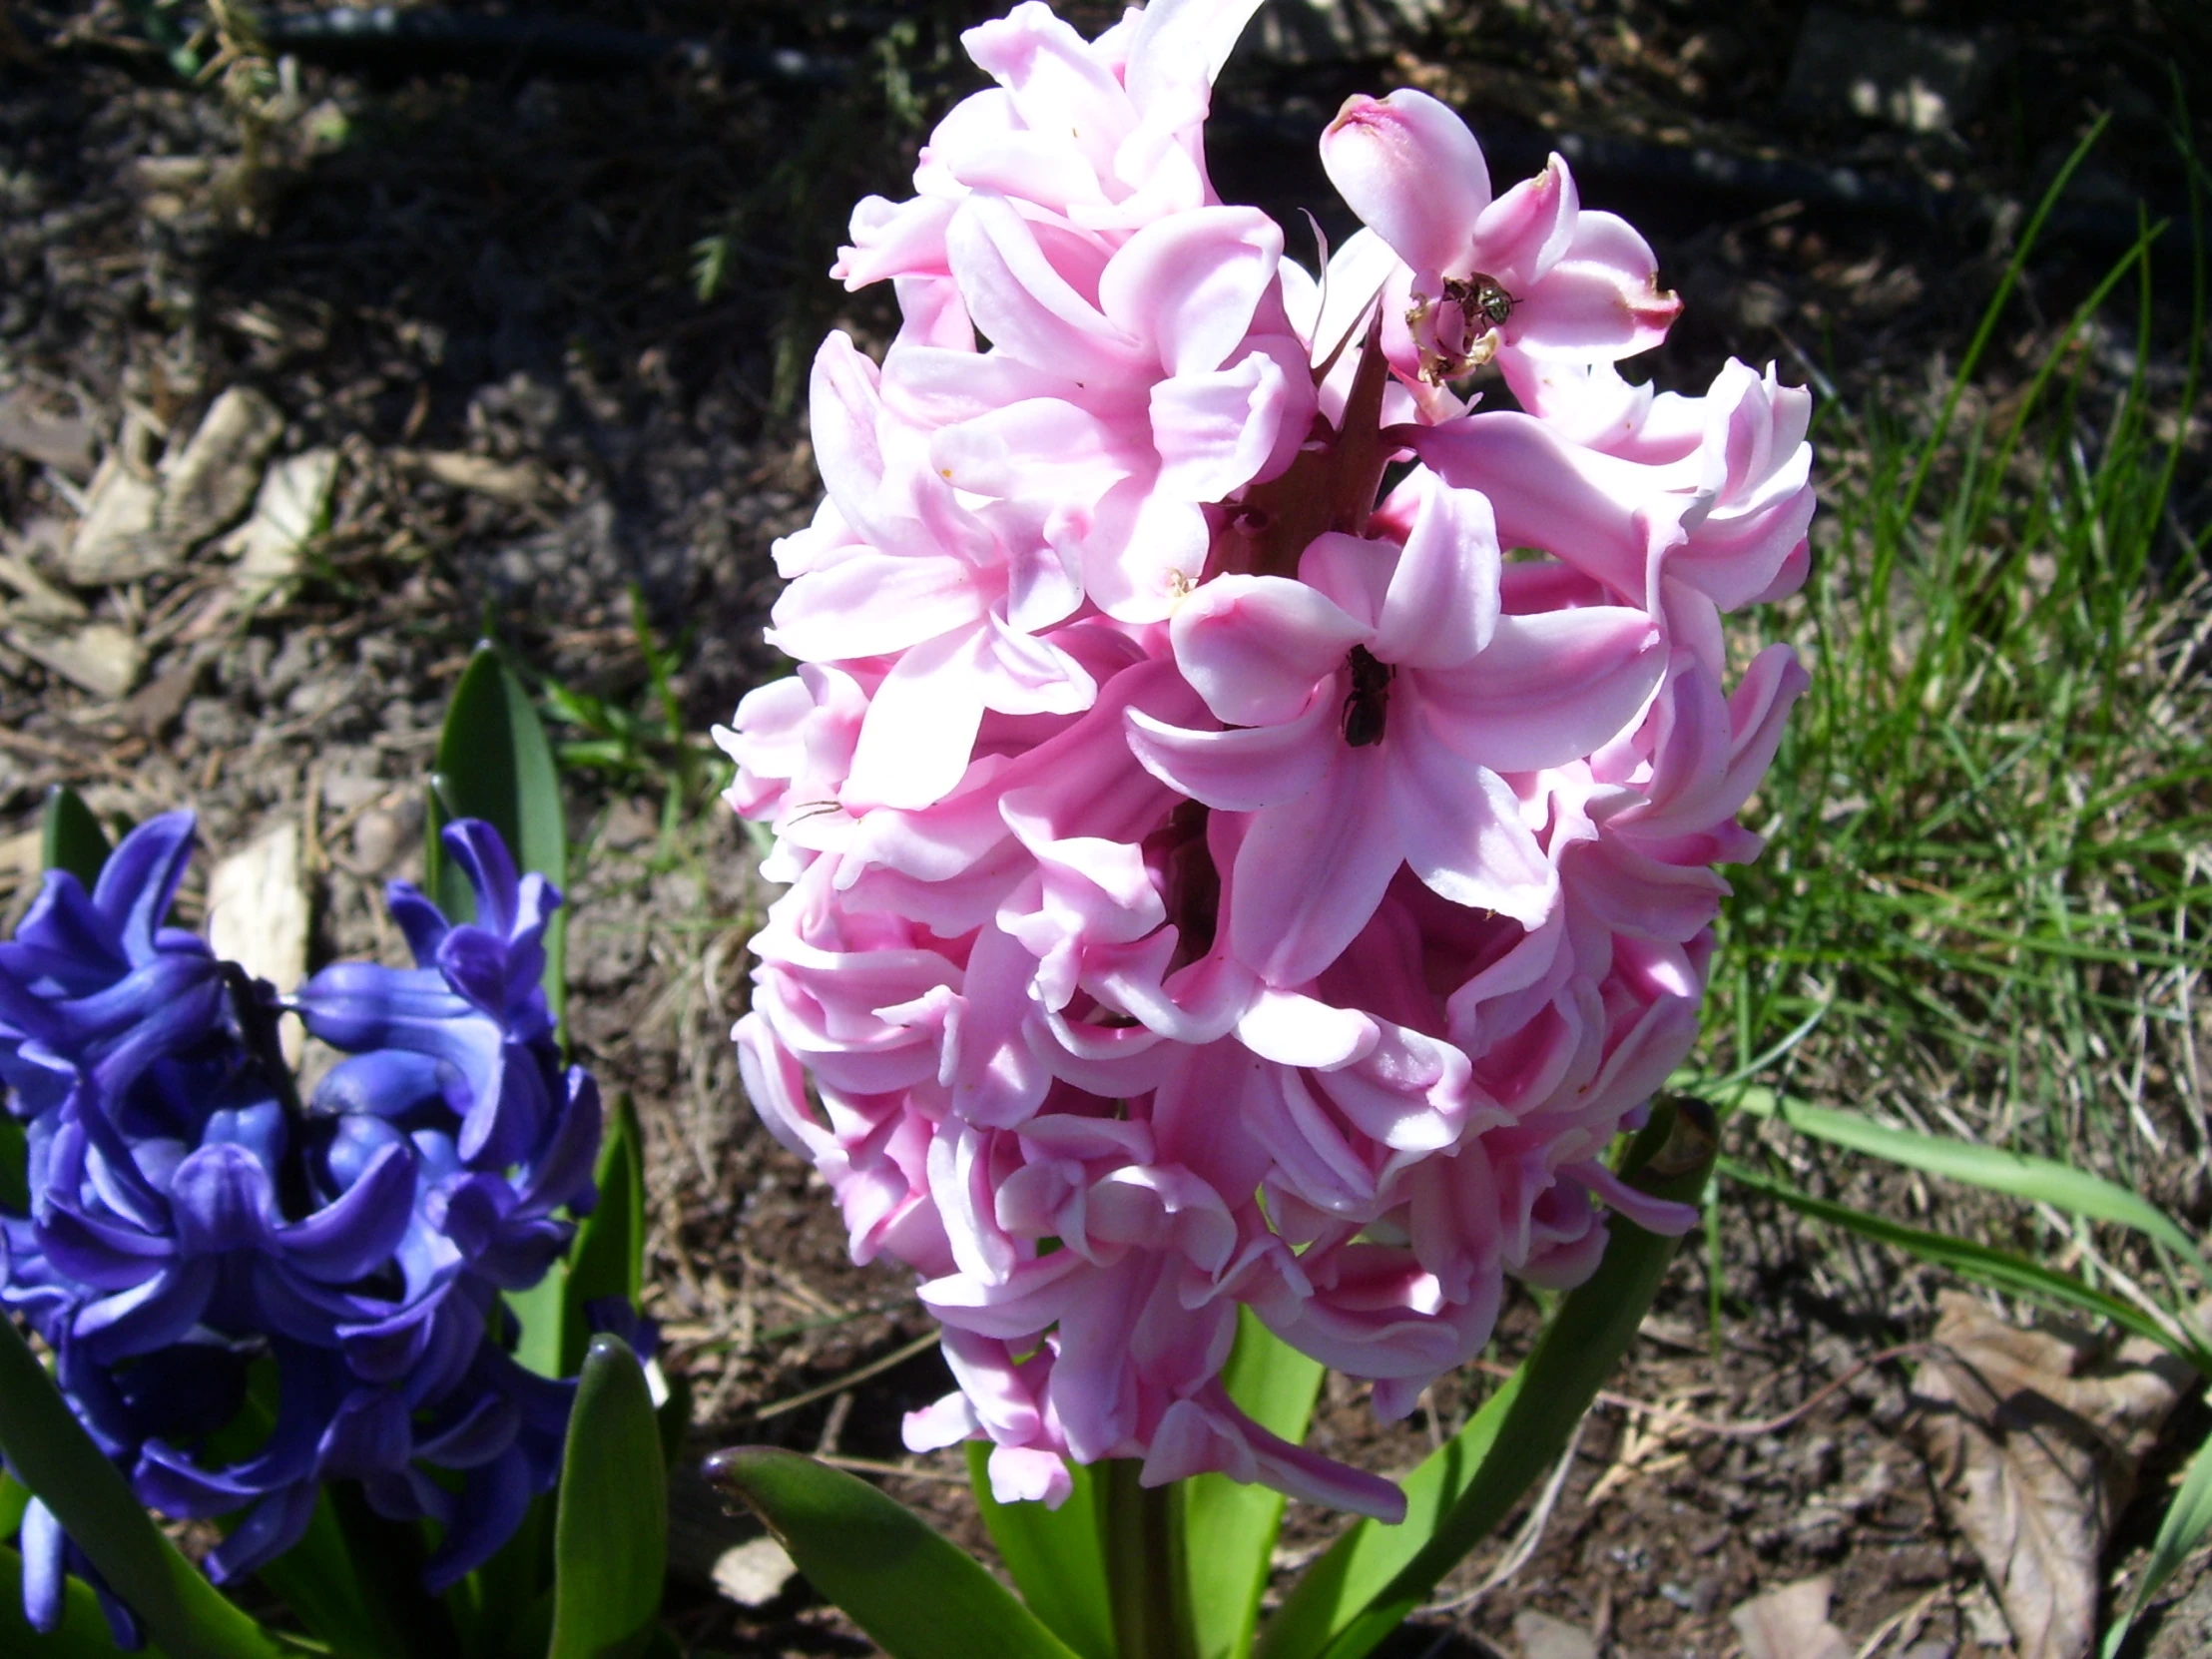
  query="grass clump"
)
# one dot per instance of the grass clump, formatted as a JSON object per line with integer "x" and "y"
{"x": 1987, "y": 907}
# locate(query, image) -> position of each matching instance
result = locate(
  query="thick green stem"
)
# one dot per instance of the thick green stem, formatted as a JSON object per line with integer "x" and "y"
{"x": 1144, "y": 1565}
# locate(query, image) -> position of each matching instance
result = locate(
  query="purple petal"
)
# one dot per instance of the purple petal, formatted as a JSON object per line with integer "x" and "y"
{"x": 152, "y": 1316}
{"x": 475, "y": 845}
{"x": 384, "y": 1083}
{"x": 43, "y": 1543}
{"x": 139, "y": 879}
{"x": 270, "y": 1528}
{"x": 224, "y": 1200}
{"x": 421, "y": 921}
{"x": 352, "y": 1237}
{"x": 474, "y": 963}
{"x": 490, "y": 1509}
{"x": 484, "y": 1431}
{"x": 562, "y": 1173}
{"x": 102, "y": 1254}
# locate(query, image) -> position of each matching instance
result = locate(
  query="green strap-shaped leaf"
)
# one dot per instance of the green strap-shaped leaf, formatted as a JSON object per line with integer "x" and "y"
{"x": 71, "y": 838}
{"x": 608, "y": 1258}
{"x": 610, "y": 1533}
{"x": 82, "y": 1634}
{"x": 2187, "y": 1520}
{"x": 1350, "y": 1600}
{"x": 2039, "y": 1180}
{"x": 1231, "y": 1526}
{"x": 494, "y": 763}
{"x": 181, "y": 1610}
{"x": 918, "y": 1595}
{"x": 1999, "y": 1269}
{"x": 1057, "y": 1556}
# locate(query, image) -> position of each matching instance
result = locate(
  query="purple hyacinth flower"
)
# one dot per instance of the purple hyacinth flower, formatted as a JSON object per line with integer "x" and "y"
{"x": 189, "y": 1213}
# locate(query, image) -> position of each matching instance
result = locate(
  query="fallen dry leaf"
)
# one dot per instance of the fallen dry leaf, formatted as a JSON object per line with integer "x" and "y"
{"x": 1791, "y": 1623}
{"x": 1543, "y": 1638}
{"x": 2033, "y": 1438}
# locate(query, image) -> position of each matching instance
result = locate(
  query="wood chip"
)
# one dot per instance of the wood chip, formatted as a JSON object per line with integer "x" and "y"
{"x": 98, "y": 656}
{"x": 517, "y": 483}
{"x": 257, "y": 917}
{"x": 287, "y": 512}
{"x": 116, "y": 542}
{"x": 211, "y": 480}
{"x": 2033, "y": 1438}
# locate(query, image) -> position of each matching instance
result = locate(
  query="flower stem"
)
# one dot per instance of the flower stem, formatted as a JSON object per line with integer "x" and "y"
{"x": 1144, "y": 1565}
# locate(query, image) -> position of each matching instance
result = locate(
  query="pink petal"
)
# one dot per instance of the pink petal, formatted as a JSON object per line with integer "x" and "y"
{"x": 1443, "y": 603}
{"x": 1023, "y": 306}
{"x": 1525, "y": 232}
{"x": 1464, "y": 836}
{"x": 1601, "y": 300}
{"x": 921, "y": 727}
{"x": 871, "y": 604}
{"x": 1255, "y": 647}
{"x": 1190, "y": 283}
{"x": 1550, "y": 494}
{"x": 1408, "y": 167}
{"x": 1238, "y": 772}
{"x": 1044, "y": 447}
{"x": 1142, "y": 550}
{"x": 1178, "y": 42}
{"x": 1551, "y": 689}
{"x": 1216, "y": 432}
{"x": 1312, "y": 871}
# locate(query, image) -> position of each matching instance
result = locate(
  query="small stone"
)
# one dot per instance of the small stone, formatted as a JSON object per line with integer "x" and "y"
{"x": 754, "y": 1573}
{"x": 1543, "y": 1638}
{"x": 287, "y": 512}
{"x": 29, "y": 428}
{"x": 379, "y": 839}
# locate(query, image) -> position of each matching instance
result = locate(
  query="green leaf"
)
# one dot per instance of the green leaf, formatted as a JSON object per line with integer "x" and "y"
{"x": 608, "y": 1256}
{"x": 2039, "y": 1180}
{"x": 1350, "y": 1600}
{"x": 1999, "y": 1269}
{"x": 47, "y": 1447}
{"x": 2187, "y": 1520}
{"x": 610, "y": 1533}
{"x": 71, "y": 838}
{"x": 494, "y": 763}
{"x": 918, "y": 1595}
{"x": 1232, "y": 1527}
{"x": 1057, "y": 1556}
{"x": 82, "y": 1633}
{"x": 315, "y": 1578}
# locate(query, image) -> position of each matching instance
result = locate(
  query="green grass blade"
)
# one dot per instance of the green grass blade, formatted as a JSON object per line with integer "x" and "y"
{"x": 2186, "y": 1521}
{"x": 70, "y": 837}
{"x": 1362, "y": 1588}
{"x": 82, "y": 1633}
{"x": 610, "y": 1533}
{"x": 494, "y": 764}
{"x": 917, "y": 1594}
{"x": 1999, "y": 1269}
{"x": 2039, "y": 1180}
{"x": 183, "y": 1613}
{"x": 1057, "y": 1558}
{"x": 1231, "y": 1526}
